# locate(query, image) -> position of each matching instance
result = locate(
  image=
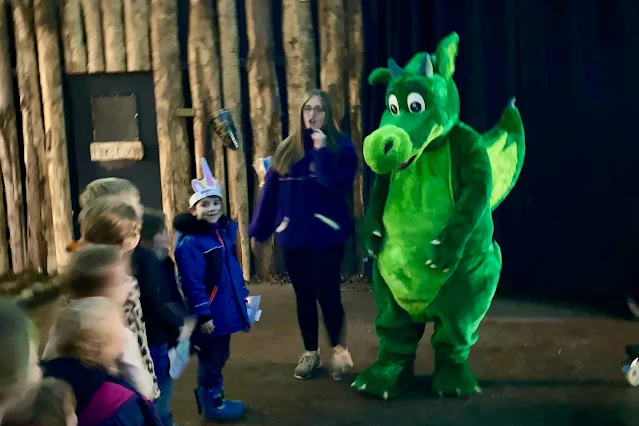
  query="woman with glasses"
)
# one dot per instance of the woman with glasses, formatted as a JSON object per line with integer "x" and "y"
{"x": 304, "y": 201}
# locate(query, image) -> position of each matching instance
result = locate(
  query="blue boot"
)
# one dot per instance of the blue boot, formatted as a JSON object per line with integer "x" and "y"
{"x": 214, "y": 408}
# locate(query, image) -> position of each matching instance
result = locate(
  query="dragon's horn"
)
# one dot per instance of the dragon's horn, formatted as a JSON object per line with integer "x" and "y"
{"x": 426, "y": 66}
{"x": 395, "y": 69}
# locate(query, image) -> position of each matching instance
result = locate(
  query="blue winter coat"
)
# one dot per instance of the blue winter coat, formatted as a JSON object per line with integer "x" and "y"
{"x": 210, "y": 274}
{"x": 308, "y": 206}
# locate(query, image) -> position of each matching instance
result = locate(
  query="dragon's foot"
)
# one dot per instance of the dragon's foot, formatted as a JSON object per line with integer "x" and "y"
{"x": 385, "y": 379}
{"x": 455, "y": 379}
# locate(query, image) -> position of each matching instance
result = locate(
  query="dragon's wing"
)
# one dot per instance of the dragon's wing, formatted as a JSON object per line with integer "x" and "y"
{"x": 506, "y": 147}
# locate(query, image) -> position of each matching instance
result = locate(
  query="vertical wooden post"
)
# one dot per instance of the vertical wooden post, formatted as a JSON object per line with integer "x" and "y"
{"x": 75, "y": 51}
{"x": 265, "y": 102}
{"x": 113, "y": 32}
{"x": 54, "y": 126}
{"x": 204, "y": 57}
{"x": 299, "y": 48}
{"x": 93, "y": 29}
{"x": 136, "y": 29}
{"x": 38, "y": 198}
{"x": 175, "y": 163}
{"x": 198, "y": 96}
{"x": 198, "y": 23}
{"x": 355, "y": 65}
{"x": 5, "y": 265}
{"x": 236, "y": 160}
{"x": 332, "y": 54}
{"x": 9, "y": 154}
{"x": 211, "y": 66}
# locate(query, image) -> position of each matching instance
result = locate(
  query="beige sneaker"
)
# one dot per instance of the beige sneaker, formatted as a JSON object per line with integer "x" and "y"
{"x": 308, "y": 363}
{"x": 341, "y": 363}
{"x": 634, "y": 308}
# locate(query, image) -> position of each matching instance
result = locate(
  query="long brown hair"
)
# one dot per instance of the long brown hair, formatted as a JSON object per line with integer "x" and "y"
{"x": 291, "y": 150}
{"x": 88, "y": 272}
{"x": 109, "y": 220}
{"x": 84, "y": 327}
{"x": 55, "y": 402}
{"x": 105, "y": 187}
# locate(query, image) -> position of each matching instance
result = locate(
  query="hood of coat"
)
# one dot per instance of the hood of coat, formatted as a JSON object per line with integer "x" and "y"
{"x": 188, "y": 224}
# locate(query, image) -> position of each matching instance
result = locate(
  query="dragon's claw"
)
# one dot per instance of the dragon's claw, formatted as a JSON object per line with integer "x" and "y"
{"x": 384, "y": 380}
{"x": 455, "y": 379}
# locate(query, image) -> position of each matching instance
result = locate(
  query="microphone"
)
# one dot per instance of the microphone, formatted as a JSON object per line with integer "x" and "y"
{"x": 224, "y": 128}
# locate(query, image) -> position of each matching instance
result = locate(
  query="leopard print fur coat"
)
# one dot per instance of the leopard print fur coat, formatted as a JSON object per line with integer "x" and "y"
{"x": 135, "y": 323}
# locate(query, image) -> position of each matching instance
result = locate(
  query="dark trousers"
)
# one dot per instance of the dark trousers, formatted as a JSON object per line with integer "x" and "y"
{"x": 160, "y": 357}
{"x": 315, "y": 275}
{"x": 212, "y": 354}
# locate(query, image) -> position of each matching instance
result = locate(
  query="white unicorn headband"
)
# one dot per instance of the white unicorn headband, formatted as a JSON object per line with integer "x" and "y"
{"x": 207, "y": 187}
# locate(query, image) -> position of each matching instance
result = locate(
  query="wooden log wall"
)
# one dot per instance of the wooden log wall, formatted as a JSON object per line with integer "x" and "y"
{"x": 266, "y": 112}
{"x": 10, "y": 161}
{"x": 102, "y": 36}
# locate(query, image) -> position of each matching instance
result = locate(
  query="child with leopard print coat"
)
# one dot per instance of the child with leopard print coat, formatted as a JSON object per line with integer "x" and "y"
{"x": 113, "y": 223}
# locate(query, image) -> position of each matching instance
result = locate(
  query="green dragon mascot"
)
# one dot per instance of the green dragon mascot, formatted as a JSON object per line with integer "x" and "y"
{"x": 429, "y": 224}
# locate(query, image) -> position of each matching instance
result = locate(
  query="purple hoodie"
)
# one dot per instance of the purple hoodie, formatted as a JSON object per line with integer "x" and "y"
{"x": 308, "y": 207}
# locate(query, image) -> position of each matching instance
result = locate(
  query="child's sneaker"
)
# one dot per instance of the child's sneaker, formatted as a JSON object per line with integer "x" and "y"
{"x": 341, "y": 363}
{"x": 308, "y": 363}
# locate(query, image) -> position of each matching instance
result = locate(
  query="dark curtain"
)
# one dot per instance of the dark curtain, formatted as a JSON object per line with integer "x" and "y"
{"x": 568, "y": 230}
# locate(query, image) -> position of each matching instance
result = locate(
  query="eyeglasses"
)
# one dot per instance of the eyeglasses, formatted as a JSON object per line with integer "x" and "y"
{"x": 318, "y": 109}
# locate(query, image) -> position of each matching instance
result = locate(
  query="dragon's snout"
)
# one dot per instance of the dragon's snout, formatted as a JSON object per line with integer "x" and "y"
{"x": 387, "y": 148}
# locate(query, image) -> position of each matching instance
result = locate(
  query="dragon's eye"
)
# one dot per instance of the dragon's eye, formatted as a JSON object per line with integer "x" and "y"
{"x": 393, "y": 105}
{"x": 416, "y": 102}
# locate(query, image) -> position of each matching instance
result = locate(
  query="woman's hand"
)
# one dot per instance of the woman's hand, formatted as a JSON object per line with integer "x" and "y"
{"x": 254, "y": 245}
{"x": 319, "y": 139}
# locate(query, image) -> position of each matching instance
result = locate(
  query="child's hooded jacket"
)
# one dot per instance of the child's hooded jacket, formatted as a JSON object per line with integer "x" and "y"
{"x": 210, "y": 274}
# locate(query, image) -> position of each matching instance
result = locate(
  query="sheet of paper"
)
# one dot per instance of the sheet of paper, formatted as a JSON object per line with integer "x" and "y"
{"x": 254, "y": 312}
{"x": 187, "y": 329}
{"x": 179, "y": 358}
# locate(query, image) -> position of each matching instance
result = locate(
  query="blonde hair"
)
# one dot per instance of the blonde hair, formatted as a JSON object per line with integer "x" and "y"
{"x": 17, "y": 335}
{"x": 84, "y": 327}
{"x": 105, "y": 187}
{"x": 291, "y": 150}
{"x": 109, "y": 220}
{"x": 89, "y": 269}
{"x": 55, "y": 402}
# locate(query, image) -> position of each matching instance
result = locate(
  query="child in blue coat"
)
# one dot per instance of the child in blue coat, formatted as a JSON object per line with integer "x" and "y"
{"x": 213, "y": 285}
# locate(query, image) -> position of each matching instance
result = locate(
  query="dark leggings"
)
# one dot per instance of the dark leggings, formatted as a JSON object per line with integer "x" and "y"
{"x": 315, "y": 275}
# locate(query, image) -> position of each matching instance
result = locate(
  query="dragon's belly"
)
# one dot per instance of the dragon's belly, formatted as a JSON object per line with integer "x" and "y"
{"x": 419, "y": 204}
